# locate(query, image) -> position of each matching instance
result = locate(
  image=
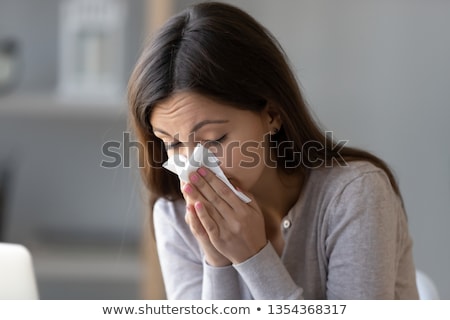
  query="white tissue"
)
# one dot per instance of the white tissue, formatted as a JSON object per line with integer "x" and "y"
{"x": 201, "y": 157}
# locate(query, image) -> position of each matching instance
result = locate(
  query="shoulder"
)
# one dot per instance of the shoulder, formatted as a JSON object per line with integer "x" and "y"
{"x": 340, "y": 176}
{"x": 357, "y": 191}
{"x": 358, "y": 183}
{"x": 166, "y": 211}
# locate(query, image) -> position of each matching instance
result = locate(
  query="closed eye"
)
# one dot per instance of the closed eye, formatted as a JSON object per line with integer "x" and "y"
{"x": 210, "y": 143}
{"x": 172, "y": 145}
{"x": 207, "y": 143}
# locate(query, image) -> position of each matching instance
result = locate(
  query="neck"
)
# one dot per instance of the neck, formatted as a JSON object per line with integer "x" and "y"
{"x": 276, "y": 195}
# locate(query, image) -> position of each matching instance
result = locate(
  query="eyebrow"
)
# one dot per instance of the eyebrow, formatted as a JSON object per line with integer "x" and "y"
{"x": 197, "y": 127}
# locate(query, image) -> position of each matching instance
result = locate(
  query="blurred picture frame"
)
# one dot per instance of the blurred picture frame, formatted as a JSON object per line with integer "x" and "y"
{"x": 92, "y": 49}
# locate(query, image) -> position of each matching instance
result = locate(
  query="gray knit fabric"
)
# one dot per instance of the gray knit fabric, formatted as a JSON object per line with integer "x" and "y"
{"x": 345, "y": 238}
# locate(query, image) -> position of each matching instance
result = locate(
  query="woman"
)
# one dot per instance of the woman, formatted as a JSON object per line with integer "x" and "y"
{"x": 325, "y": 221}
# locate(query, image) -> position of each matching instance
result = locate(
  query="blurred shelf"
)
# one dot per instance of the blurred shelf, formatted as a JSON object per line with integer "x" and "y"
{"x": 48, "y": 106}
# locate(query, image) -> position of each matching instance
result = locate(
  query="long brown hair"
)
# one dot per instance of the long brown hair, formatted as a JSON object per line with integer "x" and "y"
{"x": 219, "y": 51}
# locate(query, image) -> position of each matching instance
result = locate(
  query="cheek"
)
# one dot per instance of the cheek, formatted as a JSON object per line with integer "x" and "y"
{"x": 244, "y": 167}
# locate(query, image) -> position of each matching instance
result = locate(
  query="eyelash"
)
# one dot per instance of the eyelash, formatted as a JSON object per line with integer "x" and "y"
{"x": 174, "y": 145}
{"x": 215, "y": 142}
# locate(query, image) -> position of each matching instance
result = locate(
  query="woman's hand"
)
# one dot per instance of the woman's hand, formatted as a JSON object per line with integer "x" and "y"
{"x": 212, "y": 256}
{"x": 234, "y": 228}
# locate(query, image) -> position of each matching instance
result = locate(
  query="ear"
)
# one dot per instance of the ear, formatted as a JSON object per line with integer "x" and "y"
{"x": 272, "y": 116}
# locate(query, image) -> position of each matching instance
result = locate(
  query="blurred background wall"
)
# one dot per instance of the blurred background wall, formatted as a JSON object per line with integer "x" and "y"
{"x": 82, "y": 223}
{"x": 376, "y": 73}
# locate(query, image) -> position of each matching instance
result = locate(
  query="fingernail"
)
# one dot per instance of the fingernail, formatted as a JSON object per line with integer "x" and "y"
{"x": 187, "y": 188}
{"x": 194, "y": 177}
{"x": 202, "y": 171}
{"x": 198, "y": 205}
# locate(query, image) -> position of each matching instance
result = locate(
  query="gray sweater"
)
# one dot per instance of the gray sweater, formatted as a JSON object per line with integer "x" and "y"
{"x": 345, "y": 238}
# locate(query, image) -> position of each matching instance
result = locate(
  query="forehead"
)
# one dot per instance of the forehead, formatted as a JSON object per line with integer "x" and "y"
{"x": 187, "y": 107}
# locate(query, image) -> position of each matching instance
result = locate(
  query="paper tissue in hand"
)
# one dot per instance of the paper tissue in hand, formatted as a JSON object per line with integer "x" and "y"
{"x": 201, "y": 157}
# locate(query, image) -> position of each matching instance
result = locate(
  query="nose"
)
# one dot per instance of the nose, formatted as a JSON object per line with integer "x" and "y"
{"x": 185, "y": 150}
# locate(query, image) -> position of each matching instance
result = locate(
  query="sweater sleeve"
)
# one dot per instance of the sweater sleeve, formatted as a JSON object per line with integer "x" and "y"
{"x": 186, "y": 275}
{"x": 366, "y": 234}
{"x": 267, "y": 277}
{"x": 220, "y": 283}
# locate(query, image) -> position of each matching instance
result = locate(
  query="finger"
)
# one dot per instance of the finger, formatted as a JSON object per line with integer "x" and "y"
{"x": 253, "y": 204}
{"x": 223, "y": 190}
{"x": 183, "y": 192}
{"x": 212, "y": 196}
{"x": 191, "y": 194}
{"x": 195, "y": 225}
{"x": 209, "y": 224}
{"x": 187, "y": 216}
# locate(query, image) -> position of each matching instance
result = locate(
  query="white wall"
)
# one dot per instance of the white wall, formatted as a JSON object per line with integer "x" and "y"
{"x": 378, "y": 74}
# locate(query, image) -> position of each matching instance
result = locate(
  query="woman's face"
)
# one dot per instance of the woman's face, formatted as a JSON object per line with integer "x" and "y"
{"x": 237, "y": 137}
